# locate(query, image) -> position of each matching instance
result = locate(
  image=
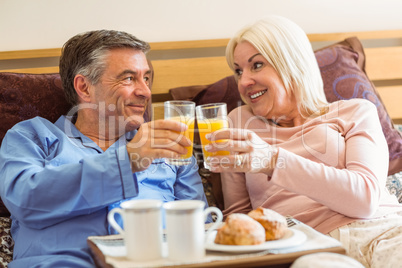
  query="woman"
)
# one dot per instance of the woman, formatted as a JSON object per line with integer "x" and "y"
{"x": 291, "y": 151}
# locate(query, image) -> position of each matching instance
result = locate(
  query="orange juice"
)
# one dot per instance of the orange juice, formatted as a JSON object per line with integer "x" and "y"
{"x": 189, "y": 133}
{"x": 206, "y": 126}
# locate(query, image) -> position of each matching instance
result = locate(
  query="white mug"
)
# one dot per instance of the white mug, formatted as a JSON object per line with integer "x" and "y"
{"x": 185, "y": 228}
{"x": 142, "y": 232}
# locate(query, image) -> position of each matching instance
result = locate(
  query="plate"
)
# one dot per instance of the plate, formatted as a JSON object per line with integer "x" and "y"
{"x": 291, "y": 238}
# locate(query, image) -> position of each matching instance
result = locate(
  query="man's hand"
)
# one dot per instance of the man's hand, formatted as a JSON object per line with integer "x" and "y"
{"x": 157, "y": 139}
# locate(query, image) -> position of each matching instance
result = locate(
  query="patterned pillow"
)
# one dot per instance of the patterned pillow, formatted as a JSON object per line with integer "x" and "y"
{"x": 6, "y": 242}
{"x": 24, "y": 96}
{"x": 394, "y": 185}
{"x": 342, "y": 68}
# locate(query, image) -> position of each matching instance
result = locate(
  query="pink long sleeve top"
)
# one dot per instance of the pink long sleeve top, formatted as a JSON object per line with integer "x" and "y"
{"x": 330, "y": 171}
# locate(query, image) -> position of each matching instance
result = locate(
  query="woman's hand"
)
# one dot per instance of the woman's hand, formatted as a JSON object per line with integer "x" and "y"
{"x": 157, "y": 139}
{"x": 248, "y": 152}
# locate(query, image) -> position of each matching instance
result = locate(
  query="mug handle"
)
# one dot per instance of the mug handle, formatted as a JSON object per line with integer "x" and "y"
{"x": 112, "y": 221}
{"x": 218, "y": 221}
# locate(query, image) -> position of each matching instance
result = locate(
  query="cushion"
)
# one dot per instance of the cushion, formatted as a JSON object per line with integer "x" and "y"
{"x": 342, "y": 66}
{"x": 225, "y": 90}
{"x": 3, "y": 210}
{"x": 343, "y": 71}
{"x": 394, "y": 185}
{"x": 23, "y": 96}
{"x": 6, "y": 242}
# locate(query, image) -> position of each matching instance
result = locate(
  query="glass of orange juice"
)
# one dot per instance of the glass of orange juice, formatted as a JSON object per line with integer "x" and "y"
{"x": 211, "y": 117}
{"x": 184, "y": 112}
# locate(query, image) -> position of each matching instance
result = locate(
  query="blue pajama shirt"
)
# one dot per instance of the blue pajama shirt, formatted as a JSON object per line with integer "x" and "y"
{"x": 59, "y": 186}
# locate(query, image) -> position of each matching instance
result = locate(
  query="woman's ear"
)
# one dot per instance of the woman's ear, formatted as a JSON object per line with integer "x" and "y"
{"x": 81, "y": 86}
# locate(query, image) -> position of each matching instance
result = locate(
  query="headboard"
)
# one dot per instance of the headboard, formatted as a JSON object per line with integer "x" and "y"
{"x": 202, "y": 62}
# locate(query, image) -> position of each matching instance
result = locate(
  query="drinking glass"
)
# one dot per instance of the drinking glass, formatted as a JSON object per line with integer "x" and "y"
{"x": 211, "y": 117}
{"x": 184, "y": 112}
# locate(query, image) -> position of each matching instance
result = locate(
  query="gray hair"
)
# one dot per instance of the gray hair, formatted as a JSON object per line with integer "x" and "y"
{"x": 85, "y": 54}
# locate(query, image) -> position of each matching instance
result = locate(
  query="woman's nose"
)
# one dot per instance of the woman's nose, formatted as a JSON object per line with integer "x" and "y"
{"x": 246, "y": 80}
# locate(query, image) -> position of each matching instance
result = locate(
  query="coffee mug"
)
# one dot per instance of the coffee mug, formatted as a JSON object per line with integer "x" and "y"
{"x": 142, "y": 232}
{"x": 185, "y": 228}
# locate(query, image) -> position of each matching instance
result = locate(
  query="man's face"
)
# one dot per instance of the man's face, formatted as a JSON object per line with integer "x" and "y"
{"x": 122, "y": 94}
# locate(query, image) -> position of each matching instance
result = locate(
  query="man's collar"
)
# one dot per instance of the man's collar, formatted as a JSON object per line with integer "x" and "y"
{"x": 64, "y": 123}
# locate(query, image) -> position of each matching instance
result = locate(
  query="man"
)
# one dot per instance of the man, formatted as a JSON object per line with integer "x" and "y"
{"x": 58, "y": 180}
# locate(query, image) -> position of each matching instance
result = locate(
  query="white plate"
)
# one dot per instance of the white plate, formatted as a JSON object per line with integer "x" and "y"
{"x": 291, "y": 238}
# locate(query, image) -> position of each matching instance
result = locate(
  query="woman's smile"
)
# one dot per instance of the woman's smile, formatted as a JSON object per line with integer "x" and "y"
{"x": 255, "y": 95}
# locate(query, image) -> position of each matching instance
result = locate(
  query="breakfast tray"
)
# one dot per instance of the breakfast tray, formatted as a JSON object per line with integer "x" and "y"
{"x": 109, "y": 251}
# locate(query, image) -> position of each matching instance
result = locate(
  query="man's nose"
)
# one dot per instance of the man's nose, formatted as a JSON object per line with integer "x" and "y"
{"x": 142, "y": 89}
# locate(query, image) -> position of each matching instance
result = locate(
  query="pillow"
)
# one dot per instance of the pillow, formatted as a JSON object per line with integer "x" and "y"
{"x": 6, "y": 242}
{"x": 394, "y": 185}
{"x": 342, "y": 68}
{"x": 24, "y": 96}
{"x": 225, "y": 90}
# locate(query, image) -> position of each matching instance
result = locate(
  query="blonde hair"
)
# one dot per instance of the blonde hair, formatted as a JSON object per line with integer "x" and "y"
{"x": 287, "y": 48}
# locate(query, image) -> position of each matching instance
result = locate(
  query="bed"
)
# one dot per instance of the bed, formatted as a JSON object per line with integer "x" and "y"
{"x": 353, "y": 65}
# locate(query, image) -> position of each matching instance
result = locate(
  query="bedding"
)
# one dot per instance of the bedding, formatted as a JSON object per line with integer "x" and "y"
{"x": 6, "y": 242}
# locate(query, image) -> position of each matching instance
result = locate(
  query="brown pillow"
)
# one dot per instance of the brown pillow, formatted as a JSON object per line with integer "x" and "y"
{"x": 24, "y": 96}
{"x": 342, "y": 68}
{"x": 225, "y": 90}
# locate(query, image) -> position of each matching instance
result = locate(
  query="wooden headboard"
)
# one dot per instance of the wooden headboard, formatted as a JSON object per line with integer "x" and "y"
{"x": 202, "y": 62}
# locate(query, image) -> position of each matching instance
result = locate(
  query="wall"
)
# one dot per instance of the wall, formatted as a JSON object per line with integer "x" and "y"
{"x": 33, "y": 24}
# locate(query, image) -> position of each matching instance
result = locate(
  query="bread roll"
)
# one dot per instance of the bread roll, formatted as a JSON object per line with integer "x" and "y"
{"x": 240, "y": 229}
{"x": 274, "y": 223}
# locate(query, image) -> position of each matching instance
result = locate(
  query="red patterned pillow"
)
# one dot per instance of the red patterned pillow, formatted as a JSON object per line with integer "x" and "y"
{"x": 24, "y": 96}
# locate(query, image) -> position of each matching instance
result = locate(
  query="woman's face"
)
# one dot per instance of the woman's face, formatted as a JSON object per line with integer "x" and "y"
{"x": 260, "y": 86}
